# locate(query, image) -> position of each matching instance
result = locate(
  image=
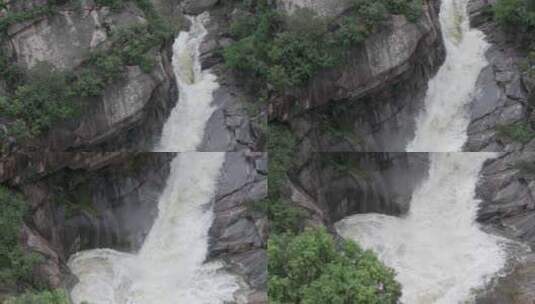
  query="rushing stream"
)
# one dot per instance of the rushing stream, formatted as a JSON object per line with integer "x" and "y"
{"x": 170, "y": 267}
{"x": 442, "y": 124}
{"x": 184, "y": 129}
{"x": 439, "y": 252}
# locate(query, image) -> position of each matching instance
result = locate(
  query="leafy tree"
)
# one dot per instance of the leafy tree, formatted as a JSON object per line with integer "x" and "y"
{"x": 41, "y": 102}
{"x": 287, "y": 51}
{"x": 15, "y": 266}
{"x": 36, "y": 102}
{"x": 44, "y": 297}
{"x": 310, "y": 268}
{"x": 517, "y": 14}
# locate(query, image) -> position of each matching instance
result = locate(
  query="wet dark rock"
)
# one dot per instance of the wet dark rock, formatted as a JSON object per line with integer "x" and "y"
{"x": 376, "y": 182}
{"x": 238, "y": 119}
{"x": 371, "y": 103}
{"x": 194, "y": 7}
{"x": 239, "y": 233}
{"x": 500, "y": 99}
{"x": 506, "y": 190}
{"x": 514, "y": 288}
{"x": 84, "y": 201}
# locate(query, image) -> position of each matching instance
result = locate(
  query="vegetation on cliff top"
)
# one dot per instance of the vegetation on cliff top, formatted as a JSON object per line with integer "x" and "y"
{"x": 43, "y": 297}
{"x": 15, "y": 266}
{"x": 311, "y": 268}
{"x": 287, "y": 51}
{"x": 35, "y": 103}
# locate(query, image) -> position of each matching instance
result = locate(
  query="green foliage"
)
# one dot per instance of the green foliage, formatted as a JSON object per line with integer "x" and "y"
{"x": 10, "y": 73}
{"x": 287, "y": 51}
{"x": 519, "y": 132}
{"x": 516, "y": 14}
{"x": 115, "y": 4}
{"x": 15, "y": 266}
{"x": 44, "y": 297}
{"x": 283, "y": 217}
{"x": 11, "y": 18}
{"x": 528, "y": 65}
{"x": 243, "y": 26}
{"x": 412, "y": 9}
{"x": 41, "y": 102}
{"x": 37, "y": 102}
{"x": 311, "y": 269}
{"x": 281, "y": 147}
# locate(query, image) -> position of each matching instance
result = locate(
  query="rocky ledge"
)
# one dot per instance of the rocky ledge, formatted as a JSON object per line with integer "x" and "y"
{"x": 331, "y": 186}
{"x": 371, "y": 102}
{"x": 82, "y": 201}
{"x": 503, "y": 90}
{"x": 130, "y": 112}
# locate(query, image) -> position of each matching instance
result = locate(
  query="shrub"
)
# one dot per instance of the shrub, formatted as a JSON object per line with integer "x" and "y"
{"x": 371, "y": 12}
{"x": 11, "y": 18}
{"x": 311, "y": 269}
{"x": 115, "y": 4}
{"x": 10, "y": 73}
{"x": 243, "y": 26}
{"x": 44, "y": 100}
{"x": 36, "y": 103}
{"x": 412, "y": 9}
{"x": 519, "y": 132}
{"x": 283, "y": 217}
{"x": 288, "y": 51}
{"x": 15, "y": 266}
{"x": 108, "y": 66}
{"x": 517, "y": 14}
{"x": 281, "y": 147}
{"x": 44, "y": 297}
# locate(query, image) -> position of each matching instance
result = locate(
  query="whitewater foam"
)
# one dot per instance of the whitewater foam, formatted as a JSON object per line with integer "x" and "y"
{"x": 441, "y": 125}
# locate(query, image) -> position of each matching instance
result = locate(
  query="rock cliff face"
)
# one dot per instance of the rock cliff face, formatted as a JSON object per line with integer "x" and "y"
{"x": 240, "y": 120}
{"x": 130, "y": 113}
{"x": 239, "y": 233}
{"x": 507, "y": 183}
{"x": 503, "y": 91}
{"x": 331, "y": 186}
{"x": 508, "y": 207}
{"x": 370, "y": 103}
{"x": 83, "y": 201}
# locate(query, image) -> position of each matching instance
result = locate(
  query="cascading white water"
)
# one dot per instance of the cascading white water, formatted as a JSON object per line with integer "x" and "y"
{"x": 441, "y": 126}
{"x": 169, "y": 268}
{"x": 184, "y": 129}
{"x": 438, "y": 250}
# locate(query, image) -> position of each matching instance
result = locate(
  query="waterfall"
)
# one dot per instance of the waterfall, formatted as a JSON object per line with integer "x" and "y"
{"x": 441, "y": 125}
{"x": 438, "y": 250}
{"x": 170, "y": 267}
{"x": 184, "y": 129}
